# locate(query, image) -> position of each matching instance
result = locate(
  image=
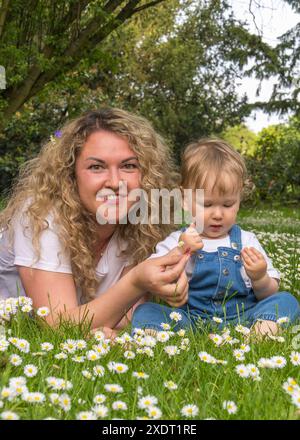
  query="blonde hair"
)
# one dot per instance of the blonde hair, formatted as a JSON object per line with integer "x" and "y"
{"x": 48, "y": 182}
{"x": 208, "y": 161}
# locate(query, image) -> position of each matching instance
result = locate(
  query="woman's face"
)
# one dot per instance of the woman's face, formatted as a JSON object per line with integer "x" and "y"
{"x": 106, "y": 171}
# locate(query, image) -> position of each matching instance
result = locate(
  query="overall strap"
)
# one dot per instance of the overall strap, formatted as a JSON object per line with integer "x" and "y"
{"x": 235, "y": 236}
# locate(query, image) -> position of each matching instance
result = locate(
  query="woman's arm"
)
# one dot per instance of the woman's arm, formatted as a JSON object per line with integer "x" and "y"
{"x": 162, "y": 276}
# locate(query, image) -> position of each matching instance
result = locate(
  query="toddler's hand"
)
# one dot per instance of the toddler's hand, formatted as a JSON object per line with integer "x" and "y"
{"x": 254, "y": 263}
{"x": 190, "y": 241}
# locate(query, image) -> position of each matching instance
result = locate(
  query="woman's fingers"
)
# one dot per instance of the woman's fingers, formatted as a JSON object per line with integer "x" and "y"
{"x": 173, "y": 273}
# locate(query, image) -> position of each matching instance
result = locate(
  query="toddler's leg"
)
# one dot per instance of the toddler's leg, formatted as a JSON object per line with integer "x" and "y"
{"x": 152, "y": 315}
{"x": 269, "y": 310}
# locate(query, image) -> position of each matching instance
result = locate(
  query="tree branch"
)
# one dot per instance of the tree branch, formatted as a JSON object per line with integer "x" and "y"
{"x": 3, "y": 13}
{"x": 147, "y": 5}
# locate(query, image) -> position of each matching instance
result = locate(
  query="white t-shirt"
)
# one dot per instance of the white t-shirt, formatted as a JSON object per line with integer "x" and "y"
{"x": 52, "y": 259}
{"x": 211, "y": 245}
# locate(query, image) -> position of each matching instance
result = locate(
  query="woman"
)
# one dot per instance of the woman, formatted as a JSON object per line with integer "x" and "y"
{"x": 53, "y": 247}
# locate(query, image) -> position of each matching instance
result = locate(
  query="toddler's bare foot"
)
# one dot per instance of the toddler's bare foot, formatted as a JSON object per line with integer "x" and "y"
{"x": 262, "y": 329}
{"x": 150, "y": 332}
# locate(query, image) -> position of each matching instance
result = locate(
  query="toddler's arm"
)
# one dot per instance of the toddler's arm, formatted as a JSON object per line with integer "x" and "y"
{"x": 256, "y": 268}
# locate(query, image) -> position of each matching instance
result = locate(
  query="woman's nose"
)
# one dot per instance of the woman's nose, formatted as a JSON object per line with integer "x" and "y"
{"x": 113, "y": 178}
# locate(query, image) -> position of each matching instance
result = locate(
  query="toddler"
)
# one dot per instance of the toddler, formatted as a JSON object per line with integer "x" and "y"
{"x": 230, "y": 275}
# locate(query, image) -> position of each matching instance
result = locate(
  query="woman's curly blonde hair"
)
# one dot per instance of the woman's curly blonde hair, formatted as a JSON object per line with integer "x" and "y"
{"x": 48, "y": 183}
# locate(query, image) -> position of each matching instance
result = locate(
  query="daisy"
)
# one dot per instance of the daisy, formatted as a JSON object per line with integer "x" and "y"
{"x": 27, "y": 308}
{"x": 253, "y": 370}
{"x": 172, "y": 350}
{"x": 295, "y": 358}
{"x": 175, "y": 316}
{"x": 23, "y": 345}
{"x": 30, "y": 370}
{"x": 99, "y": 335}
{"x": 296, "y": 399}
{"x": 147, "y": 351}
{"x": 81, "y": 344}
{"x": 217, "y": 320}
{"x": 9, "y": 415}
{"x": 189, "y": 410}
{"x": 162, "y": 336}
{"x": 78, "y": 359}
{"x": 87, "y": 374}
{"x": 54, "y": 398}
{"x": 242, "y": 370}
{"x": 170, "y": 385}
{"x": 128, "y": 354}
{"x": 154, "y": 412}
{"x": 113, "y": 388}
{"x": 265, "y": 363}
{"x": 230, "y": 406}
{"x": 216, "y": 339}
{"x": 181, "y": 333}
{"x": 241, "y": 329}
{"x": 86, "y": 415}
{"x": 148, "y": 341}
{"x": 138, "y": 332}
{"x": 47, "y": 346}
{"x": 147, "y": 401}
{"x": 43, "y": 312}
{"x": 245, "y": 348}
{"x": 33, "y": 397}
{"x": 17, "y": 381}
{"x": 100, "y": 411}
{"x": 3, "y": 345}
{"x": 278, "y": 361}
{"x": 98, "y": 370}
{"x": 140, "y": 375}
{"x": 165, "y": 326}
{"x": 117, "y": 367}
{"x": 205, "y": 357}
{"x": 65, "y": 402}
{"x": 15, "y": 360}
{"x": 61, "y": 356}
{"x": 92, "y": 355}
{"x": 119, "y": 405}
{"x": 99, "y": 398}
{"x": 19, "y": 390}
{"x": 291, "y": 386}
{"x": 239, "y": 355}
{"x": 7, "y": 393}
{"x": 283, "y": 320}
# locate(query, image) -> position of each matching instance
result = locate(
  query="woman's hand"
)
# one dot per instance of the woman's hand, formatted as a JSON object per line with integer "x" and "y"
{"x": 165, "y": 277}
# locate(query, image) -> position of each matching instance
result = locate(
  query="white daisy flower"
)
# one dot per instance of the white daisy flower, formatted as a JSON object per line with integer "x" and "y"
{"x": 170, "y": 385}
{"x": 283, "y": 320}
{"x": 9, "y": 415}
{"x": 291, "y": 386}
{"x": 239, "y": 355}
{"x": 295, "y": 358}
{"x": 189, "y": 410}
{"x": 206, "y": 357}
{"x": 61, "y": 356}
{"x": 230, "y": 406}
{"x": 15, "y": 360}
{"x": 100, "y": 411}
{"x": 54, "y": 398}
{"x": 147, "y": 401}
{"x": 8, "y": 393}
{"x": 117, "y": 367}
{"x": 253, "y": 370}
{"x": 99, "y": 335}
{"x": 217, "y": 320}
{"x": 265, "y": 363}
{"x": 245, "y": 348}
{"x": 241, "y": 329}
{"x": 78, "y": 359}
{"x": 47, "y": 346}
{"x": 119, "y": 405}
{"x": 23, "y": 345}
{"x": 87, "y": 374}
{"x": 113, "y": 388}
{"x": 30, "y": 370}
{"x": 27, "y": 308}
{"x": 154, "y": 412}
{"x": 81, "y": 344}
{"x": 162, "y": 336}
{"x": 175, "y": 316}
{"x": 296, "y": 399}
{"x": 242, "y": 370}
{"x": 140, "y": 375}
{"x": 65, "y": 402}
{"x": 181, "y": 332}
{"x": 171, "y": 350}
{"x": 216, "y": 339}
{"x": 165, "y": 326}
{"x": 278, "y": 361}
{"x": 99, "y": 398}
{"x": 34, "y": 397}
{"x": 98, "y": 370}
{"x": 86, "y": 415}
{"x": 43, "y": 312}
{"x": 92, "y": 355}
{"x": 128, "y": 354}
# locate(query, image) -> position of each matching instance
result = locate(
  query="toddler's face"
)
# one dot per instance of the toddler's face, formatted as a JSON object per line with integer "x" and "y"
{"x": 220, "y": 213}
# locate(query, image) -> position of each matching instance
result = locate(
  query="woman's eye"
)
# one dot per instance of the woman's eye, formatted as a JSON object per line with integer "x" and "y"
{"x": 95, "y": 167}
{"x": 130, "y": 166}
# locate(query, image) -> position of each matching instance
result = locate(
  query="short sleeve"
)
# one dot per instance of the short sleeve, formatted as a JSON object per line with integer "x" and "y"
{"x": 51, "y": 258}
{"x": 250, "y": 240}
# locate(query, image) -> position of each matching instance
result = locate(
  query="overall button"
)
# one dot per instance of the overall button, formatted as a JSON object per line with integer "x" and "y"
{"x": 224, "y": 254}
{"x": 217, "y": 302}
{"x": 200, "y": 256}
{"x": 234, "y": 245}
{"x": 236, "y": 258}
{"x": 225, "y": 271}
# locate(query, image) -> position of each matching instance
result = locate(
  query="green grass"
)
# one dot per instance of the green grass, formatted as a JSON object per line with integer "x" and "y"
{"x": 202, "y": 384}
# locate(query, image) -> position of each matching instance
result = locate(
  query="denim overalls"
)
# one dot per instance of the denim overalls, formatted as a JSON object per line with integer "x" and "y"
{"x": 217, "y": 289}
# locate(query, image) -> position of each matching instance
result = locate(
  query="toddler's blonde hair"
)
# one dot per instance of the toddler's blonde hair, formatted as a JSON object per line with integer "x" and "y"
{"x": 209, "y": 161}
